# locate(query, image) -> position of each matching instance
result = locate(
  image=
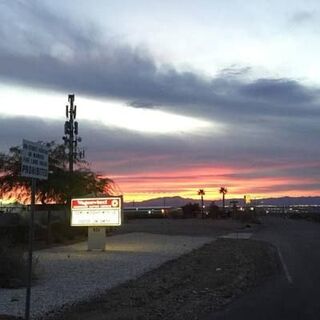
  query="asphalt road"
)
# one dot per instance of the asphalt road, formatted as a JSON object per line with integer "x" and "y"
{"x": 295, "y": 294}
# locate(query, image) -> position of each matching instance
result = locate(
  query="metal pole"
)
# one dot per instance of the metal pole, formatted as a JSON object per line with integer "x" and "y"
{"x": 29, "y": 271}
{"x": 71, "y": 152}
{"x": 202, "y": 213}
{"x": 223, "y": 202}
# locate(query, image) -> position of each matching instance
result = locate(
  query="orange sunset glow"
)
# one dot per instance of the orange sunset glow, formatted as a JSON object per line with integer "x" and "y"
{"x": 186, "y": 183}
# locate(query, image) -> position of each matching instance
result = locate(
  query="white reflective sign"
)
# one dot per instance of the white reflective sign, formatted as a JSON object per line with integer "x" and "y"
{"x": 34, "y": 160}
{"x": 96, "y": 212}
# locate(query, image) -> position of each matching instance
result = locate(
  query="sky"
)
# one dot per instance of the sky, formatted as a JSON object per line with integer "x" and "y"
{"x": 172, "y": 96}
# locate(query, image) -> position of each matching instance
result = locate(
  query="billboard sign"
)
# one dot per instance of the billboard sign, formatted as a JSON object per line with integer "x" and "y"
{"x": 96, "y": 212}
{"x": 34, "y": 160}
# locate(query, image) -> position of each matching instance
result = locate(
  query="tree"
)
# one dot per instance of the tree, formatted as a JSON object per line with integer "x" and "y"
{"x": 55, "y": 189}
{"x": 223, "y": 190}
{"x": 201, "y": 193}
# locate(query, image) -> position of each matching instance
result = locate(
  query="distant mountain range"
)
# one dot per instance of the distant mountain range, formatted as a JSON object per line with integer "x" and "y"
{"x": 179, "y": 201}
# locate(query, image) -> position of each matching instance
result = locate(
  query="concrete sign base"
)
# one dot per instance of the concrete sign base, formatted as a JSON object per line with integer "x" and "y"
{"x": 96, "y": 238}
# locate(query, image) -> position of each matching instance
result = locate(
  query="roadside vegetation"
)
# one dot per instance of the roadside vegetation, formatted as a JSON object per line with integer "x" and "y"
{"x": 13, "y": 264}
{"x": 192, "y": 210}
{"x": 57, "y": 189}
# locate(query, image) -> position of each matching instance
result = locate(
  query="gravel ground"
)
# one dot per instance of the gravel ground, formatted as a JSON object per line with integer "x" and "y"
{"x": 67, "y": 275}
{"x": 189, "y": 287}
{"x": 118, "y": 284}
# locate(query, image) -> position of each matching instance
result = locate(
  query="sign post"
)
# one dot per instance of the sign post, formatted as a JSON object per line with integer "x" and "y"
{"x": 96, "y": 238}
{"x": 34, "y": 165}
{"x": 30, "y": 249}
{"x": 96, "y": 214}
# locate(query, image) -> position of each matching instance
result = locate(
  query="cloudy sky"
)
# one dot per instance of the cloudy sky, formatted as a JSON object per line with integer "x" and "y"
{"x": 172, "y": 96}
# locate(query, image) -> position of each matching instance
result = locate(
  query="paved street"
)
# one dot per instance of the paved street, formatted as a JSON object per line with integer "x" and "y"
{"x": 295, "y": 294}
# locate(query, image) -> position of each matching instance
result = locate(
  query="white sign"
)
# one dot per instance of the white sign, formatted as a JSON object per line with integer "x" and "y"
{"x": 34, "y": 162}
{"x": 96, "y": 212}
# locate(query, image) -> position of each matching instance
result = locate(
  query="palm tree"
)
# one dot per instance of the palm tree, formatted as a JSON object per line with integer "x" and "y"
{"x": 201, "y": 193}
{"x": 223, "y": 190}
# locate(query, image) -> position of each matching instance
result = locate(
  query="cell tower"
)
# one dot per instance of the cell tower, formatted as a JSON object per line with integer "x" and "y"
{"x": 71, "y": 130}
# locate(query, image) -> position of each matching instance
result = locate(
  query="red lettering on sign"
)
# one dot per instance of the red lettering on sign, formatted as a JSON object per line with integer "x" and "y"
{"x": 95, "y": 203}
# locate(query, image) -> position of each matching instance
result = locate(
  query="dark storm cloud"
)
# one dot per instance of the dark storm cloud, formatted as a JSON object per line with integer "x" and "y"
{"x": 141, "y": 104}
{"x": 50, "y": 51}
{"x": 129, "y": 76}
{"x": 14, "y": 129}
{"x": 268, "y": 122}
{"x": 109, "y": 149}
{"x": 279, "y": 91}
{"x": 110, "y": 145}
{"x": 121, "y": 152}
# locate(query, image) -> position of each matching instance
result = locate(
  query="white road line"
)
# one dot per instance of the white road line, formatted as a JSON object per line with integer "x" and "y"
{"x": 285, "y": 268}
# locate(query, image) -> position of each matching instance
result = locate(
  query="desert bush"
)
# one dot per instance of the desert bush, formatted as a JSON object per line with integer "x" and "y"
{"x": 175, "y": 213}
{"x": 62, "y": 231}
{"x": 16, "y": 234}
{"x": 214, "y": 211}
{"x": 190, "y": 210}
{"x": 13, "y": 265}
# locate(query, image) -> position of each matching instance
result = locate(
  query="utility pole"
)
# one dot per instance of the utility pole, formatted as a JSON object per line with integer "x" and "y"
{"x": 71, "y": 139}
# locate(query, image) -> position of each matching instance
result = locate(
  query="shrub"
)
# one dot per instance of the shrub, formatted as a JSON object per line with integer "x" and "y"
{"x": 214, "y": 211}
{"x": 62, "y": 231}
{"x": 16, "y": 234}
{"x": 190, "y": 210}
{"x": 175, "y": 213}
{"x": 13, "y": 265}
{"x": 247, "y": 216}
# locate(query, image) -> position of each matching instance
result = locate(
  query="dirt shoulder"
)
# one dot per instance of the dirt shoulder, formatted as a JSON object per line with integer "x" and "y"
{"x": 189, "y": 227}
{"x": 189, "y": 287}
